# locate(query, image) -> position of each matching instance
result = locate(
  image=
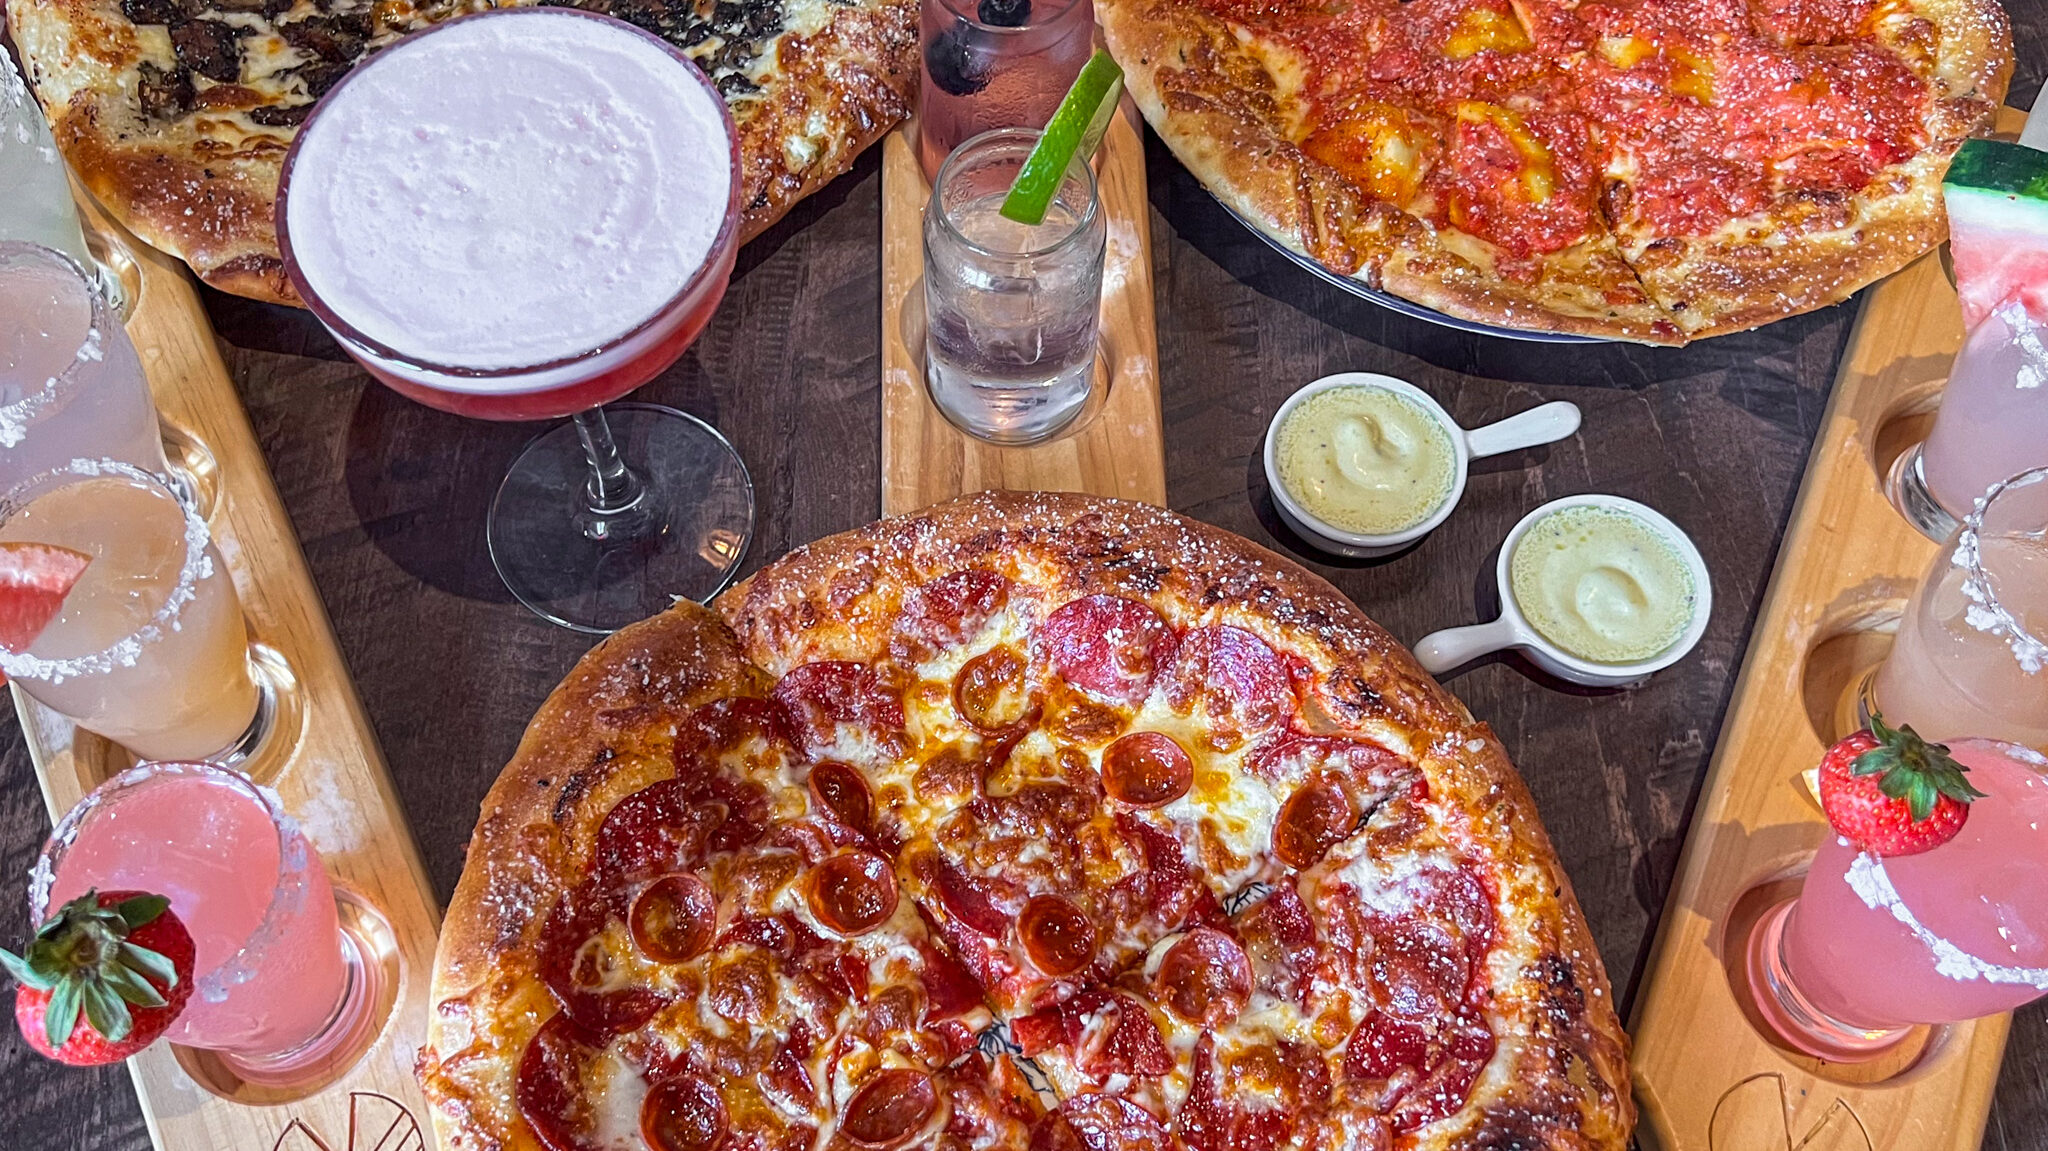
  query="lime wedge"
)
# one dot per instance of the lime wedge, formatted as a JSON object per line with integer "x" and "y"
{"x": 1074, "y": 130}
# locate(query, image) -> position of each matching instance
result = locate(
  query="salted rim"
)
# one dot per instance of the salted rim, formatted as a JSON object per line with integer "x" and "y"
{"x": 124, "y": 651}
{"x": 287, "y": 897}
{"x": 16, "y": 417}
{"x": 1987, "y": 614}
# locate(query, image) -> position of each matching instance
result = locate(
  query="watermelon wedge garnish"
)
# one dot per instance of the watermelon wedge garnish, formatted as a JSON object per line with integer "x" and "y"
{"x": 34, "y": 579}
{"x": 1997, "y": 197}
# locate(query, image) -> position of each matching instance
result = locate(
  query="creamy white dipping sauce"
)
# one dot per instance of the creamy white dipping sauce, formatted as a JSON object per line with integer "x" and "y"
{"x": 1366, "y": 460}
{"x": 1602, "y": 584}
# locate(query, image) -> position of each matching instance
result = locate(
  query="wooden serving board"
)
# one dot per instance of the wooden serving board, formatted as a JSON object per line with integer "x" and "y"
{"x": 325, "y": 762}
{"x": 1116, "y": 449}
{"x": 1705, "y": 1078}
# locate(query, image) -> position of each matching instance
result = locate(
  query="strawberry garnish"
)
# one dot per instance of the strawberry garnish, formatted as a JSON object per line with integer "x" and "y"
{"x": 1893, "y": 793}
{"x": 120, "y": 959}
{"x": 34, "y": 579}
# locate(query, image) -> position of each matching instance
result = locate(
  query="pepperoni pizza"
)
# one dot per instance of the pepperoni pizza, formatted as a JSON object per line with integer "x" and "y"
{"x": 1032, "y": 822}
{"x": 1650, "y": 170}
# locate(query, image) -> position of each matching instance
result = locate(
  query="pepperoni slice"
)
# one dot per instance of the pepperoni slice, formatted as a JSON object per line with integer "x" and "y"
{"x": 1108, "y": 1034}
{"x": 1174, "y": 893}
{"x": 950, "y": 990}
{"x": 889, "y": 1108}
{"x": 1058, "y": 937}
{"x": 1205, "y": 977}
{"x": 1147, "y": 769}
{"x": 1099, "y": 1123}
{"x": 990, "y": 692}
{"x": 1233, "y": 676}
{"x": 852, "y": 892}
{"x": 952, "y": 608}
{"x": 1295, "y": 757}
{"x": 683, "y": 1114}
{"x": 971, "y": 901}
{"x": 548, "y": 1087}
{"x": 1427, "y": 1067}
{"x": 1312, "y": 821}
{"x": 724, "y": 726}
{"x": 819, "y": 697}
{"x": 841, "y": 791}
{"x": 578, "y": 970}
{"x": 1281, "y": 938}
{"x": 1107, "y": 645}
{"x": 673, "y": 919}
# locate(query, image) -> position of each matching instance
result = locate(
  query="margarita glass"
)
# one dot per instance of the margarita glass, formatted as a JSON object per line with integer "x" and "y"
{"x": 1874, "y": 945}
{"x": 523, "y": 214}
{"x": 150, "y": 649}
{"x": 280, "y": 988}
{"x": 1971, "y": 655}
{"x": 71, "y": 384}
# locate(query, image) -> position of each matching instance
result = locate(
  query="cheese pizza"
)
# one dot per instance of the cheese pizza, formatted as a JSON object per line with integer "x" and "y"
{"x": 1026, "y": 822}
{"x": 1648, "y": 170}
{"x": 177, "y": 114}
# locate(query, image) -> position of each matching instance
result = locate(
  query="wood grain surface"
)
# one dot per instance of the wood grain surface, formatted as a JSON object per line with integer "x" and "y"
{"x": 388, "y": 498}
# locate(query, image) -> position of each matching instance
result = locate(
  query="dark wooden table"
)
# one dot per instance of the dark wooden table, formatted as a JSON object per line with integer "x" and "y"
{"x": 389, "y": 499}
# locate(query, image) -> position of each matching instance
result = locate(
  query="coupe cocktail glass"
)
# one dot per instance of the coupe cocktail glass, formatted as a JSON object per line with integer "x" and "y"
{"x": 1010, "y": 309}
{"x": 149, "y": 649}
{"x": 1970, "y": 652}
{"x": 280, "y": 989}
{"x": 71, "y": 385}
{"x": 995, "y": 64}
{"x": 523, "y": 214}
{"x": 1873, "y": 946}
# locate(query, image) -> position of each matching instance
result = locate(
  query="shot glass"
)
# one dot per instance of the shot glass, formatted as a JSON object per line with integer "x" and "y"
{"x": 71, "y": 385}
{"x": 280, "y": 988}
{"x": 150, "y": 649}
{"x": 1971, "y": 654}
{"x": 1010, "y": 309}
{"x": 995, "y": 64}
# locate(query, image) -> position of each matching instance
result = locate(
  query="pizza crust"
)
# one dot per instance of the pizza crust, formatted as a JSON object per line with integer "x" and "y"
{"x": 603, "y": 734}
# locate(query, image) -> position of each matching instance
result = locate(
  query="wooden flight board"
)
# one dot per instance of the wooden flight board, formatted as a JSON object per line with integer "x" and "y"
{"x": 323, "y": 761}
{"x": 1705, "y": 1078}
{"x": 1113, "y": 449}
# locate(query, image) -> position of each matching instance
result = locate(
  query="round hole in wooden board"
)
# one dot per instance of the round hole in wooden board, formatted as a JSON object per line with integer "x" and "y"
{"x": 381, "y": 967}
{"x": 1849, "y": 647}
{"x": 1905, "y": 423}
{"x": 1730, "y": 939}
{"x": 281, "y": 711}
{"x": 194, "y": 471}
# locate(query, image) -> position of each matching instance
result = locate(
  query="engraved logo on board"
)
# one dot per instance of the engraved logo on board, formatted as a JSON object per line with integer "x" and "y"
{"x": 375, "y": 1123}
{"x": 1757, "y": 1115}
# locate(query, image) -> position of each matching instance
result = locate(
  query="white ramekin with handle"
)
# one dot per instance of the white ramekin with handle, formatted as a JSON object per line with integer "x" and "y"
{"x": 1543, "y": 424}
{"x": 1442, "y": 651}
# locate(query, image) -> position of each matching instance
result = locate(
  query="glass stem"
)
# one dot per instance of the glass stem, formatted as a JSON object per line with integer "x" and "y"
{"x": 612, "y": 487}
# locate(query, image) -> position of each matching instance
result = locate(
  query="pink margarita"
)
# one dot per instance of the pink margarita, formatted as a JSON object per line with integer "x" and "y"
{"x": 1874, "y": 945}
{"x": 523, "y": 214}
{"x": 281, "y": 990}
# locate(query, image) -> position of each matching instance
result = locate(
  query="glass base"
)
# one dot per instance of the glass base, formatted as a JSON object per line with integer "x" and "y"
{"x": 1790, "y": 1015}
{"x": 341, "y": 1037}
{"x": 597, "y": 570}
{"x": 1906, "y": 486}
